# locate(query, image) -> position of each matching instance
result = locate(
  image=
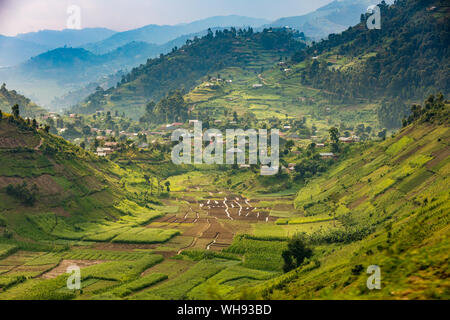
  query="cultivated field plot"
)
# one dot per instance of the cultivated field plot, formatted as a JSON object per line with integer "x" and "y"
{"x": 194, "y": 246}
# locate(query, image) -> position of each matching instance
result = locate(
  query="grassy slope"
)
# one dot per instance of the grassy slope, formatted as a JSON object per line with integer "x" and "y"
{"x": 79, "y": 195}
{"x": 398, "y": 187}
{"x": 8, "y": 98}
{"x": 281, "y": 95}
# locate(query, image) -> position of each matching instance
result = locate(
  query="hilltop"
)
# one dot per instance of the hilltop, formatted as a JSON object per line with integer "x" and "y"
{"x": 334, "y": 17}
{"x": 159, "y": 35}
{"x": 407, "y": 58}
{"x": 8, "y": 98}
{"x": 184, "y": 67}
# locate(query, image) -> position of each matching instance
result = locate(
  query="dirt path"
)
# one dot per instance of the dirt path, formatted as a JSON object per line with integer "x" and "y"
{"x": 39, "y": 145}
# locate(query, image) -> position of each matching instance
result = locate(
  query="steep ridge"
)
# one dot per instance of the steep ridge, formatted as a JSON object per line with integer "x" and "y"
{"x": 9, "y": 98}
{"x": 407, "y": 58}
{"x": 43, "y": 178}
{"x": 393, "y": 203}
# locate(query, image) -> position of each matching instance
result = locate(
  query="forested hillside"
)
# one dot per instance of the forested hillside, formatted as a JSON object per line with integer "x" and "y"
{"x": 9, "y": 98}
{"x": 407, "y": 58}
{"x": 200, "y": 57}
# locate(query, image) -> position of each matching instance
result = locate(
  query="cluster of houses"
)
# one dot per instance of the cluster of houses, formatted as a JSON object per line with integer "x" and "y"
{"x": 351, "y": 139}
{"x": 50, "y": 115}
{"x": 216, "y": 80}
{"x": 107, "y": 149}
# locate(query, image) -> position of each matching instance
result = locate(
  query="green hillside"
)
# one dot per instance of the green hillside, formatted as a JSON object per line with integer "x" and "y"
{"x": 407, "y": 58}
{"x": 184, "y": 67}
{"x": 392, "y": 201}
{"x": 9, "y": 98}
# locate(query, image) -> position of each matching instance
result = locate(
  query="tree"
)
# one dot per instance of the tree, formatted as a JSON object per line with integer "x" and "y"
{"x": 1, "y": 115}
{"x": 83, "y": 145}
{"x": 86, "y": 130}
{"x": 289, "y": 145}
{"x": 47, "y": 128}
{"x": 296, "y": 253}
{"x": 382, "y": 134}
{"x": 16, "y": 111}
{"x": 167, "y": 184}
{"x": 22, "y": 193}
{"x": 334, "y": 136}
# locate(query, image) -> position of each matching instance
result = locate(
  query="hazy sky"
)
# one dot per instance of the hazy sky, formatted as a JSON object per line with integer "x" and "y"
{"x": 19, "y": 16}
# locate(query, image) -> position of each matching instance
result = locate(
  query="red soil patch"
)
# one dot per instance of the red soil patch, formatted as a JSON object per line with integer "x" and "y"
{"x": 59, "y": 211}
{"x": 355, "y": 204}
{"x": 407, "y": 155}
{"x": 5, "y": 181}
{"x": 61, "y": 268}
{"x": 47, "y": 186}
{"x": 438, "y": 157}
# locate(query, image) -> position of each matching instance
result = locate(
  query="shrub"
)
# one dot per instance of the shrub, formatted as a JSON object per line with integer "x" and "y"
{"x": 357, "y": 269}
{"x": 296, "y": 253}
{"x": 22, "y": 193}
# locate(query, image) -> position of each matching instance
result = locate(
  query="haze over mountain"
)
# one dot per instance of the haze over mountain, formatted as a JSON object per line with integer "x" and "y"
{"x": 102, "y": 52}
{"x": 14, "y": 51}
{"x": 334, "y": 17}
{"x": 162, "y": 34}
{"x": 67, "y": 37}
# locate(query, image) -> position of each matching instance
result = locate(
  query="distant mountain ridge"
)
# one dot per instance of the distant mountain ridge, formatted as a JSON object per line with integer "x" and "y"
{"x": 66, "y": 37}
{"x": 14, "y": 51}
{"x": 183, "y": 68}
{"x": 159, "y": 35}
{"x": 9, "y": 98}
{"x": 334, "y": 17}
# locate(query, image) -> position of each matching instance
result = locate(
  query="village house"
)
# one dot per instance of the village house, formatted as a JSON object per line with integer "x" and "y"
{"x": 111, "y": 144}
{"x": 351, "y": 139}
{"x": 327, "y": 155}
{"x": 257, "y": 85}
{"x": 143, "y": 145}
{"x": 269, "y": 171}
{"x": 168, "y": 127}
{"x": 103, "y": 152}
